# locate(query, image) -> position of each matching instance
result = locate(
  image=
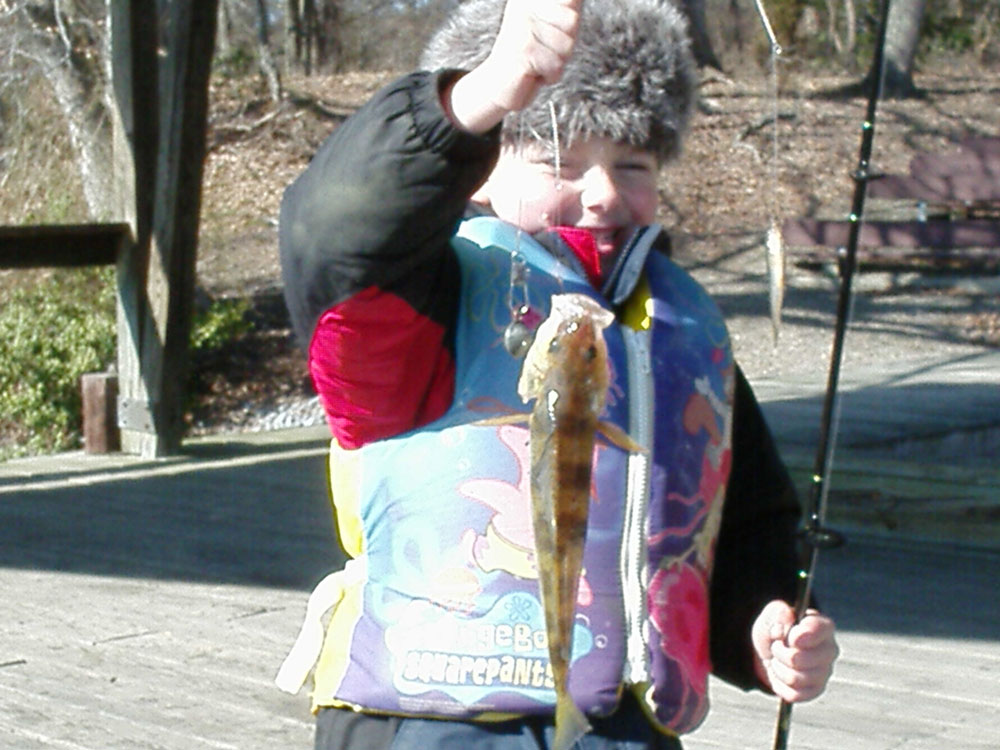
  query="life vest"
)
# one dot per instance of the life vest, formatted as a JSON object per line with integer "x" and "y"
{"x": 438, "y": 613}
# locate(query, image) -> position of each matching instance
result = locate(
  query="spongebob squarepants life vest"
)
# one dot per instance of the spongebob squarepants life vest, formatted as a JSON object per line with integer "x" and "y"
{"x": 438, "y": 614}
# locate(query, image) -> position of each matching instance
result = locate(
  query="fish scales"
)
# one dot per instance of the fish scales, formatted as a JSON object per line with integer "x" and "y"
{"x": 566, "y": 373}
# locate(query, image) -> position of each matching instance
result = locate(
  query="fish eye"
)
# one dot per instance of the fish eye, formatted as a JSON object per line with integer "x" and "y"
{"x": 591, "y": 354}
{"x": 554, "y": 346}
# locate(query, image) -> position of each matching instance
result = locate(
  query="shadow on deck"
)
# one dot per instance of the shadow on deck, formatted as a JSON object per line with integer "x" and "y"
{"x": 238, "y": 511}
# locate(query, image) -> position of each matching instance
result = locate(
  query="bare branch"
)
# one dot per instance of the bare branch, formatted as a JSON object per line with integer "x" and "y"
{"x": 61, "y": 26}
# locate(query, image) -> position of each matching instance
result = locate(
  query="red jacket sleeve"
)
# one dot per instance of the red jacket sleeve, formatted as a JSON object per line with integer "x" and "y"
{"x": 380, "y": 367}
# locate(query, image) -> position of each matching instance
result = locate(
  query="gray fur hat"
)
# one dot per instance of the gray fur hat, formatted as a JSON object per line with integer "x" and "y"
{"x": 631, "y": 78}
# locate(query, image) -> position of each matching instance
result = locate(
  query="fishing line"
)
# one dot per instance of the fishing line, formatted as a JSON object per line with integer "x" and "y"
{"x": 557, "y": 161}
{"x": 517, "y": 336}
{"x": 519, "y": 333}
{"x": 557, "y": 183}
{"x": 774, "y": 247}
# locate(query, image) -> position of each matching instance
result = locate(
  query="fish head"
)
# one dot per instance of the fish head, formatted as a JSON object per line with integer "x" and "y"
{"x": 568, "y": 351}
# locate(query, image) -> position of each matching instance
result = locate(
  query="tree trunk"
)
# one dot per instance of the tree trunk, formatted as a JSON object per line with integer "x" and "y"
{"x": 902, "y": 36}
{"x": 293, "y": 31}
{"x": 328, "y": 47}
{"x": 267, "y": 65}
{"x": 309, "y": 23}
{"x": 845, "y": 46}
{"x": 701, "y": 44}
{"x": 224, "y": 28}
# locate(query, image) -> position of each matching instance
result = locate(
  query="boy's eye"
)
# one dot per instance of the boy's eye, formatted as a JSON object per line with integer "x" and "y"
{"x": 567, "y": 170}
{"x": 635, "y": 172}
{"x": 635, "y": 166}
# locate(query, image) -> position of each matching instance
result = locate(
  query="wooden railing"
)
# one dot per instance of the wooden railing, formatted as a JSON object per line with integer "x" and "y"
{"x": 63, "y": 245}
{"x": 69, "y": 246}
{"x": 158, "y": 149}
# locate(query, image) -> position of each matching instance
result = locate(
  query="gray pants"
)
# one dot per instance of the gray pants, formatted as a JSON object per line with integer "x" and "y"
{"x": 627, "y": 729}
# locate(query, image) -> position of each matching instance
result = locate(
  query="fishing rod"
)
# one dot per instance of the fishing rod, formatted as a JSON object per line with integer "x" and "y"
{"x": 815, "y": 534}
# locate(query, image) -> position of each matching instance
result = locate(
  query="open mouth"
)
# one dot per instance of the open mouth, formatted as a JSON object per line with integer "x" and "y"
{"x": 606, "y": 239}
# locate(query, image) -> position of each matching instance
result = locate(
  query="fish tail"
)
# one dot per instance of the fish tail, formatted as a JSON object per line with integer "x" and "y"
{"x": 571, "y": 724}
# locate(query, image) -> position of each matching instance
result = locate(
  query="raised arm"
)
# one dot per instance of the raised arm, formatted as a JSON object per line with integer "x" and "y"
{"x": 532, "y": 47}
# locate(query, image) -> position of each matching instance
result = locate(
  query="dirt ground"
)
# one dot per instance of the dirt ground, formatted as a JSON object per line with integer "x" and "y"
{"x": 736, "y": 176}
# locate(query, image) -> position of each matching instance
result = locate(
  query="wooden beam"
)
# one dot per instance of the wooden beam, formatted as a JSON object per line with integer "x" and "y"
{"x": 163, "y": 103}
{"x": 957, "y": 163}
{"x": 135, "y": 128}
{"x": 961, "y": 187}
{"x": 969, "y": 233}
{"x": 62, "y": 245}
{"x": 99, "y": 397}
{"x": 177, "y": 205}
{"x": 966, "y": 260}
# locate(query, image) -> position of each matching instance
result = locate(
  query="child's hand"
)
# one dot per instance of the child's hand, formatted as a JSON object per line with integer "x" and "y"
{"x": 532, "y": 47}
{"x": 796, "y": 660}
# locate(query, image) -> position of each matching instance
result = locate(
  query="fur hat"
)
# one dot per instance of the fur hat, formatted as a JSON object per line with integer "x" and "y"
{"x": 631, "y": 78}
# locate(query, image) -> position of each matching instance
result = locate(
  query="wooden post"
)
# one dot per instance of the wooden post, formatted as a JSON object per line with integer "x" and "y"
{"x": 99, "y": 391}
{"x": 135, "y": 129}
{"x": 160, "y": 139}
{"x": 177, "y": 206}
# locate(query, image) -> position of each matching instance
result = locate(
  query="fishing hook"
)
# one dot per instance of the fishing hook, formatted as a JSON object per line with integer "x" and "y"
{"x": 815, "y": 534}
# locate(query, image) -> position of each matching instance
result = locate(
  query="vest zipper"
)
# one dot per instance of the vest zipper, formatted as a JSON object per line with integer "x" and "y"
{"x": 634, "y": 553}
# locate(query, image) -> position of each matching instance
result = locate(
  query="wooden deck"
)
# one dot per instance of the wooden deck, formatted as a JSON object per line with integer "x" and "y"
{"x": 149, "y": 605}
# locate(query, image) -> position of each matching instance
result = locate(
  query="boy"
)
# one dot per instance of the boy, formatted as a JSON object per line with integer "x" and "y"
{"x": 553, "y": 119}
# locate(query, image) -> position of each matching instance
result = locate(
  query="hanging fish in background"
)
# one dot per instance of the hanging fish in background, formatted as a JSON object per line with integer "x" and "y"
{"x": 775, "y": 275}
{"x": 566, "y": 373}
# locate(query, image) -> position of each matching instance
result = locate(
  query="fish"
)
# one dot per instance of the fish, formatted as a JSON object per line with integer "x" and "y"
{"x": 775, "y": 276}
{"x": 566, "y": 374}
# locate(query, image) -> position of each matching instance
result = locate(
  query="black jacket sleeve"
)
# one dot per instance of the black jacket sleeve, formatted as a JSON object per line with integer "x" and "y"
{"x": 757, "y": 557}
{"x": 381, "y": 198}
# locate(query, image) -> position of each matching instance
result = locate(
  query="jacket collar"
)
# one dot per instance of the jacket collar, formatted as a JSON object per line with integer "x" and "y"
{"x": 625, "y": 274}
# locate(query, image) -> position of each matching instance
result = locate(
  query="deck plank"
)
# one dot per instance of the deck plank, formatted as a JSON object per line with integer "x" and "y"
{"x": 136, "y": 615}
{"x": 959, "y": 187}
{"x": 947, "y": 238}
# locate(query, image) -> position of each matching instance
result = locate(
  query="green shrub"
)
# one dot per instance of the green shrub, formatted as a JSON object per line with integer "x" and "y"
{"x": 223, "y": 321}
{"x": 51, "y": 333}
{"x": 54, "y": 331}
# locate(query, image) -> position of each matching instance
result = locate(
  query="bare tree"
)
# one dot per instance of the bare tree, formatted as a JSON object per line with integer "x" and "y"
{"x": 224, "y": 27}
{"x": 65, "y": 41}
{"x": 701, "y": 44}
{"x": 292, "y": 39}
{"x": 311, "y": 32}
{"x": 902, "y": 35}
{"x": 842, "y": 45}
{"x": 266, "y": 60}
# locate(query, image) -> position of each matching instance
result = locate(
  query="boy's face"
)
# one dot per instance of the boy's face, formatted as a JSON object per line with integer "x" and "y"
{"x": 602, "y": 186}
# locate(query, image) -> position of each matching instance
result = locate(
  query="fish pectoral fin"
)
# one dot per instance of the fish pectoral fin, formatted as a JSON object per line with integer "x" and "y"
{"x": 504, "y": 419}
{"x": 617, "y": 436}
